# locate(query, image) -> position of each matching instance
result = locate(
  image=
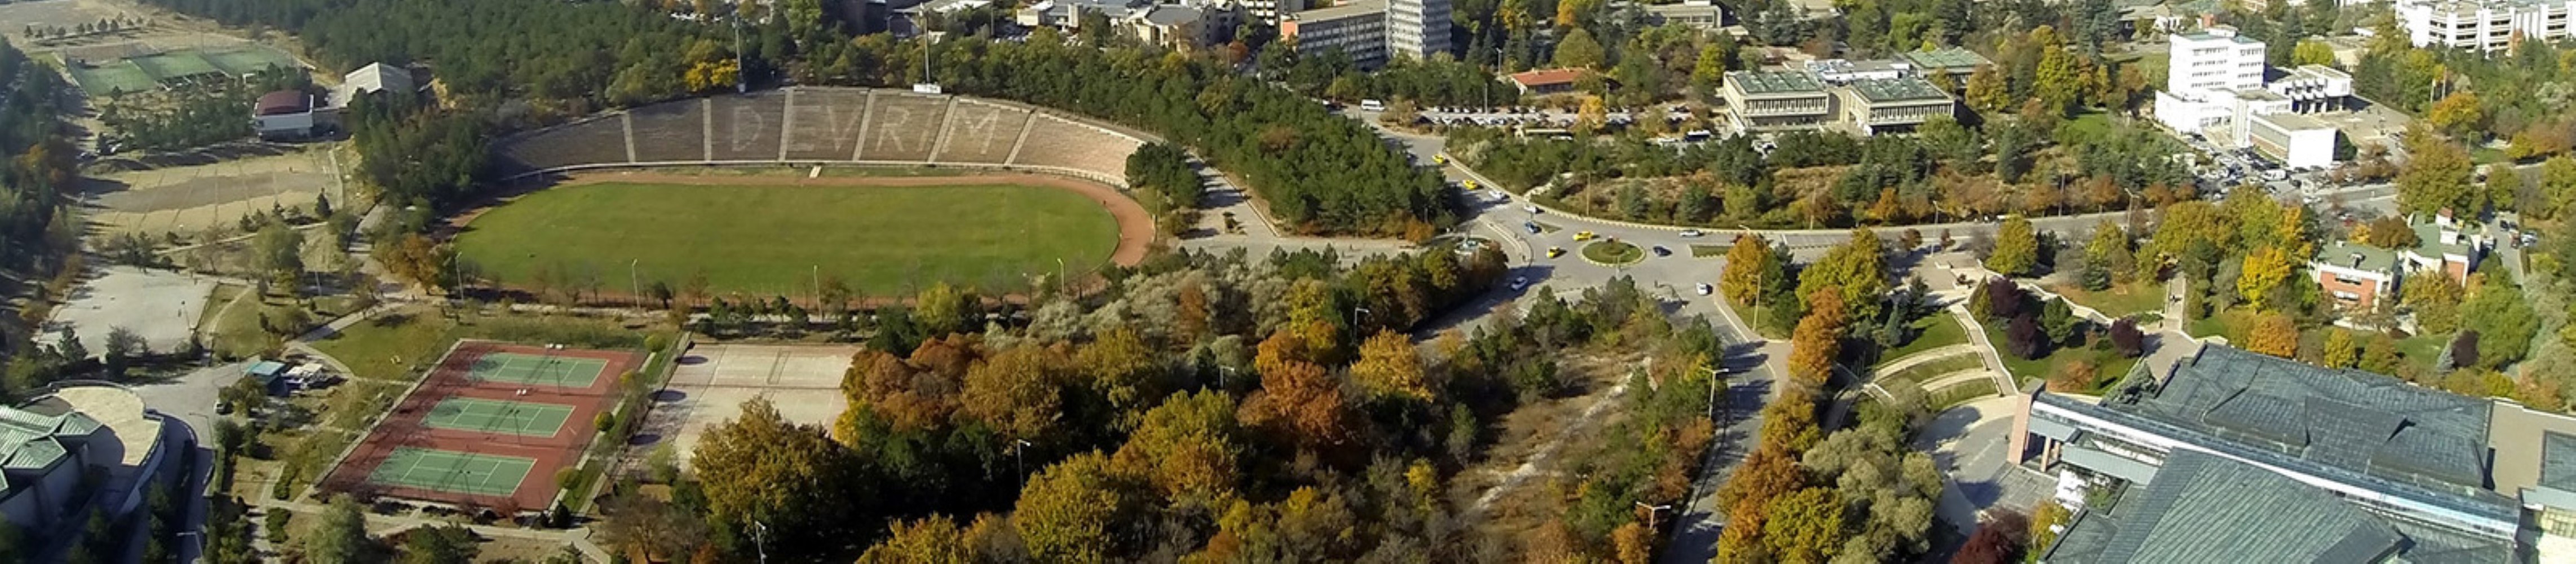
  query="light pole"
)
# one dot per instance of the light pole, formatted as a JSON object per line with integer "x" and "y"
{"x": 634, "y": 284}
{"x": 1020, "y": 460}
{"x": 760, "y": 540}
{"x": 1355, "y": 320}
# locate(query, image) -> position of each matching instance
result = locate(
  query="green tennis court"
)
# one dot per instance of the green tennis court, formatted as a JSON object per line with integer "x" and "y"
{"x": 248, "y": 61}
{"x": 112, "y": 78}
{"x": 498, "y": 416}
{"x": 538, "y": 370}
{"x": 450, "y": 471}
{"x": 176, "y": 65}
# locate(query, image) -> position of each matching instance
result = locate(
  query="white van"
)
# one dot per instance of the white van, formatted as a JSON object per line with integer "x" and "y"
{"x": 1372, "y": 106}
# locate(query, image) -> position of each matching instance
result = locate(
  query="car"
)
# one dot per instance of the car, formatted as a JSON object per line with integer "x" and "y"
{"x": 1519, "y": 282}
{"x": 1692, "y": 233}
{"x": 1440, "y": 159}
{"x": 1704, "y": 289}
{"x": 1553, "y": 252}
{"x": 1583, "y": 235}
{"x": 1471, "y": 185}
{"x": 1532, "y": 226}
{"x": 1660, "y": 251}
{"x": 1532, "y": 209}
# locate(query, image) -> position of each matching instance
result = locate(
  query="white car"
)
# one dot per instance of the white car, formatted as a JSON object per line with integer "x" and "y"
{"x": 1705, "y": 289}
{"x": 1691, "y": 233}
{"x": 1519, "y": 283}
{"x": 1532, "y": 209}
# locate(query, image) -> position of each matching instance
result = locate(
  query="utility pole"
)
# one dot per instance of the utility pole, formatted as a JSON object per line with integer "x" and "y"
{"x": 634, "y": 284}
{"x": 1650, "y": 512}
{"x": 760, "y": 540}
{"x": 1355, "y": 321}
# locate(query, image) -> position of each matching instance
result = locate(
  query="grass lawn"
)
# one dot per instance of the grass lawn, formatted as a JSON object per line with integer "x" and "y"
{"x": 2419, "y": 350}
{"x": 2223, "y": 324}
{"x": 2090, "y": 125}
{"x": 1960, "y": 393}
{"x": 1706, "y": 251}
{"x": 775, "y": 240}
{"x": 1934, "y": 331}
{"x": 1917, "y": 374}
{"x": 2121, "y": 300}
{"x": 1752, "y": 317}
{"x": 390, "y": 346}
{"x": 1613, "y": 252}
{"x": 2108, "y": 366}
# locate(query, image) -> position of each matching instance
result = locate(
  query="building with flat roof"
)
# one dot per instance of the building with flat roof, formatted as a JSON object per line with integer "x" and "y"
{"x": 1356, "y": 28}
{"x": 1268, "y": 12}
{"x": 2359, "y": 274}
{"x": 1954, "y": 61}
{"x": 1775, "y": 100}
{"x": 1701, "y": 14}
{"x": 2207, "y": 68}
{"x": 2483, "y": 25}
{"x": 1893, "y": 104}
{"x": 2242, "y": 457}
{"x": 2297, "y": 141}
{"x": 284, "y": 114}
{"x": 2314, "y": 88}
{"x": 1840, "y": 71}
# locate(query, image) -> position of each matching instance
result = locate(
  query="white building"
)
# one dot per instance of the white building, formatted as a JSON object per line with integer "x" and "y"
{"x": 2483, "y": 25}
{"x": 375, "y": 77}
{"x": 2206, "y": 71}
{"x": 1417, "y": 28}
{"x": 284, "y": 114}
{"x": 2297, "y": 141}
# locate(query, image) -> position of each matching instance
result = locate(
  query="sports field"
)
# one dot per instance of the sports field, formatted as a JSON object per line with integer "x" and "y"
{"x": 537, "y": 370}
{"x": 773, "y": 239}
{"x": 497, "y": 416}
{"x": 451, "y": 471}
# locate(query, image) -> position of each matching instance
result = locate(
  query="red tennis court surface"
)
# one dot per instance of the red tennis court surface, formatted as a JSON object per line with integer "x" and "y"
{"x": 457, "y": 376}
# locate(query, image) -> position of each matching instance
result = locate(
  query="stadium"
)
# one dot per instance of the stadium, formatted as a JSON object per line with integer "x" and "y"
{"x": 955, "y": 189}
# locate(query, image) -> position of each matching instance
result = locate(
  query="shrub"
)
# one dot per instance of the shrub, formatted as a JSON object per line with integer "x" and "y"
{"x": 2126, "y": 339}
{"x": 276, "y": 525}
{"x": 2025, "y": 339}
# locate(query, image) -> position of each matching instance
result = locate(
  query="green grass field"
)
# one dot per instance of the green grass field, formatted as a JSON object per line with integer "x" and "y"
{"x": 496, "y": 416}
{"x": 450, "y": 471}
{"x": 2118, "y": 301}
{"x": 775, "y": 240}
{"x": 1934, "y": 331}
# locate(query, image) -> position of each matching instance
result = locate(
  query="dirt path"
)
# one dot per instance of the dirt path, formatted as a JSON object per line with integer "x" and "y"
{"x": 1135, "y": 227}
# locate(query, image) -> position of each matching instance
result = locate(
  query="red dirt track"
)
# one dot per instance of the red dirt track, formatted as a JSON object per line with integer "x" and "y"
{"x": 404, "y": 427}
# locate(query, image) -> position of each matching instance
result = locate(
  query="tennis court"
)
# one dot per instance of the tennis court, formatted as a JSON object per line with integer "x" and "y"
{"x": 112, "y": 78}
{"x": 176, "y": 65}
{"x": 537, "y": 370}
{"x": 453, "y": 472}
{"x": 497, "y": 416}
{"x": 241, "y": 62}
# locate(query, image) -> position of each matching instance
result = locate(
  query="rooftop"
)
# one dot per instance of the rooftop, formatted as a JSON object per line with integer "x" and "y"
{"x": 1343, "y": 10}
{"x": 1759, "y": 83}
{"x": 283, "y": 102}
{"x": 2433, "y": 247}
{"x": 1547, "y": 77}
{"x": 2533, "y": 449}
{"x": 2357, "y": 256}
{"x": 2204, "y": 508}
{"x": 2217, "y": 33}
{"x": 2346, "y": 419}
{"x": 1897, "y": 90}
{"x": 1171, "y": 15}
{"x": 1947, "y": 58}
{"x": 2295, "y": 122}
{"x": 2316, "y": 72}
{"x": 33, "y": 439}
{"x": 113, "y": 407}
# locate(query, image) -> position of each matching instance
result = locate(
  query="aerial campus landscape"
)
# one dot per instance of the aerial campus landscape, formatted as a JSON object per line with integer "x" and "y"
{"x": 914, "y": 281}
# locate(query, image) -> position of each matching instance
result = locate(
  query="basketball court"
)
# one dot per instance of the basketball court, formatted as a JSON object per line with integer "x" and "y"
{"x": 713, "y": 380}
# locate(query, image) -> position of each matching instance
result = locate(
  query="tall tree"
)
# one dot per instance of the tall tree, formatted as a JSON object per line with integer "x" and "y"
{"x": 340, "y": 536}
{"x": 759, "y": 469}
{"x": 2016, "y": 248}
{"x": 1817, "y": 342}
{"x": 1746, "y": 264}
{"x": 2273, "y": 334}
{"x": 1071, "y": 510}
{"x": 2436, "y": 176}
{"x": 1856, "y": 271}
{"x": 1579, "y": 50}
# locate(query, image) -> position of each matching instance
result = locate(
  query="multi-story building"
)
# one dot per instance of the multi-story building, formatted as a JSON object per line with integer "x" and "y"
{"x": 2314, "y": 88}
{"x": 2205, "y": 72}
{"x": 2297, "y": 141}
{"x": 1893, "y": 104}
{"x": 1356, "y": 28}
{"x": 1775, "y": 100}
{"x": 1417, "y": 29}
{"x": 1178, "y": 25}
{"x": 2359, "y": 274}
{"x": 1953, "y": 61}
{"x": 1701, "y": 14}
{"x": 2483, "y": 25}
{"x": 1269, "y": 11}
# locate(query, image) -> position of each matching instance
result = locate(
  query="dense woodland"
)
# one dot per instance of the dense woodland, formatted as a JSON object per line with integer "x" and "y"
{"x": 1216, "y": 408}
{"x": 37, "y": 233}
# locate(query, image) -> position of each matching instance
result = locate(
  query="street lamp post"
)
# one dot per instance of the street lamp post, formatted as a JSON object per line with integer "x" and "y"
{"x": 1355, "y": 320}
{"x": 1020, "y": 460}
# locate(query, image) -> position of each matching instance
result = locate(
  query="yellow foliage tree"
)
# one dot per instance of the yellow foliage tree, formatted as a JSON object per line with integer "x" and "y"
{"x": 1388, "y": 366}
{"x": 2273, "y": 334}
{"x": 2265, "y": 268}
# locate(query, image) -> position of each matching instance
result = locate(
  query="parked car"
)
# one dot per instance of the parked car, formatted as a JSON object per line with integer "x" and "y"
{"x": 1519, "y": 282}
{"x": 1691, "y": 233}
{"x": 1704, "y": 289}
{"x": 1553, "y": 252}
{"x": 1660, "y": 251}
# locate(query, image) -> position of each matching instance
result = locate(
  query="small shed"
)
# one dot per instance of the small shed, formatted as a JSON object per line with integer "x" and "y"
{"x": 271, "y": 376}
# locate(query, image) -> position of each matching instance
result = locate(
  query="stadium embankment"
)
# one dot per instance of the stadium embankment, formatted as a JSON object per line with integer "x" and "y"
{"x": 824, "y": 125}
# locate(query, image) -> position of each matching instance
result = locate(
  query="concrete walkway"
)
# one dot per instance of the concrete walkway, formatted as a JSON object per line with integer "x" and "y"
{"x": 1985, "y": 348}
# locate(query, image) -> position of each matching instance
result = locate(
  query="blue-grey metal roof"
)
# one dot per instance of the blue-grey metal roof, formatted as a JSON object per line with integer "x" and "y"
{"x": 2203, "y": 508}
{"x": 2345, "y": 419}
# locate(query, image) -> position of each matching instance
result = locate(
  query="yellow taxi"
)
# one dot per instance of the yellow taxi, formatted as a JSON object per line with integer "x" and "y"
{"x": 1582, "y": 235}
{"x": 1553, "y": 252}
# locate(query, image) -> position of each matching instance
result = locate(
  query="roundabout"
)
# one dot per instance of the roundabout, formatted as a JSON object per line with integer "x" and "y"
{"x": 1612, "y": 252}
